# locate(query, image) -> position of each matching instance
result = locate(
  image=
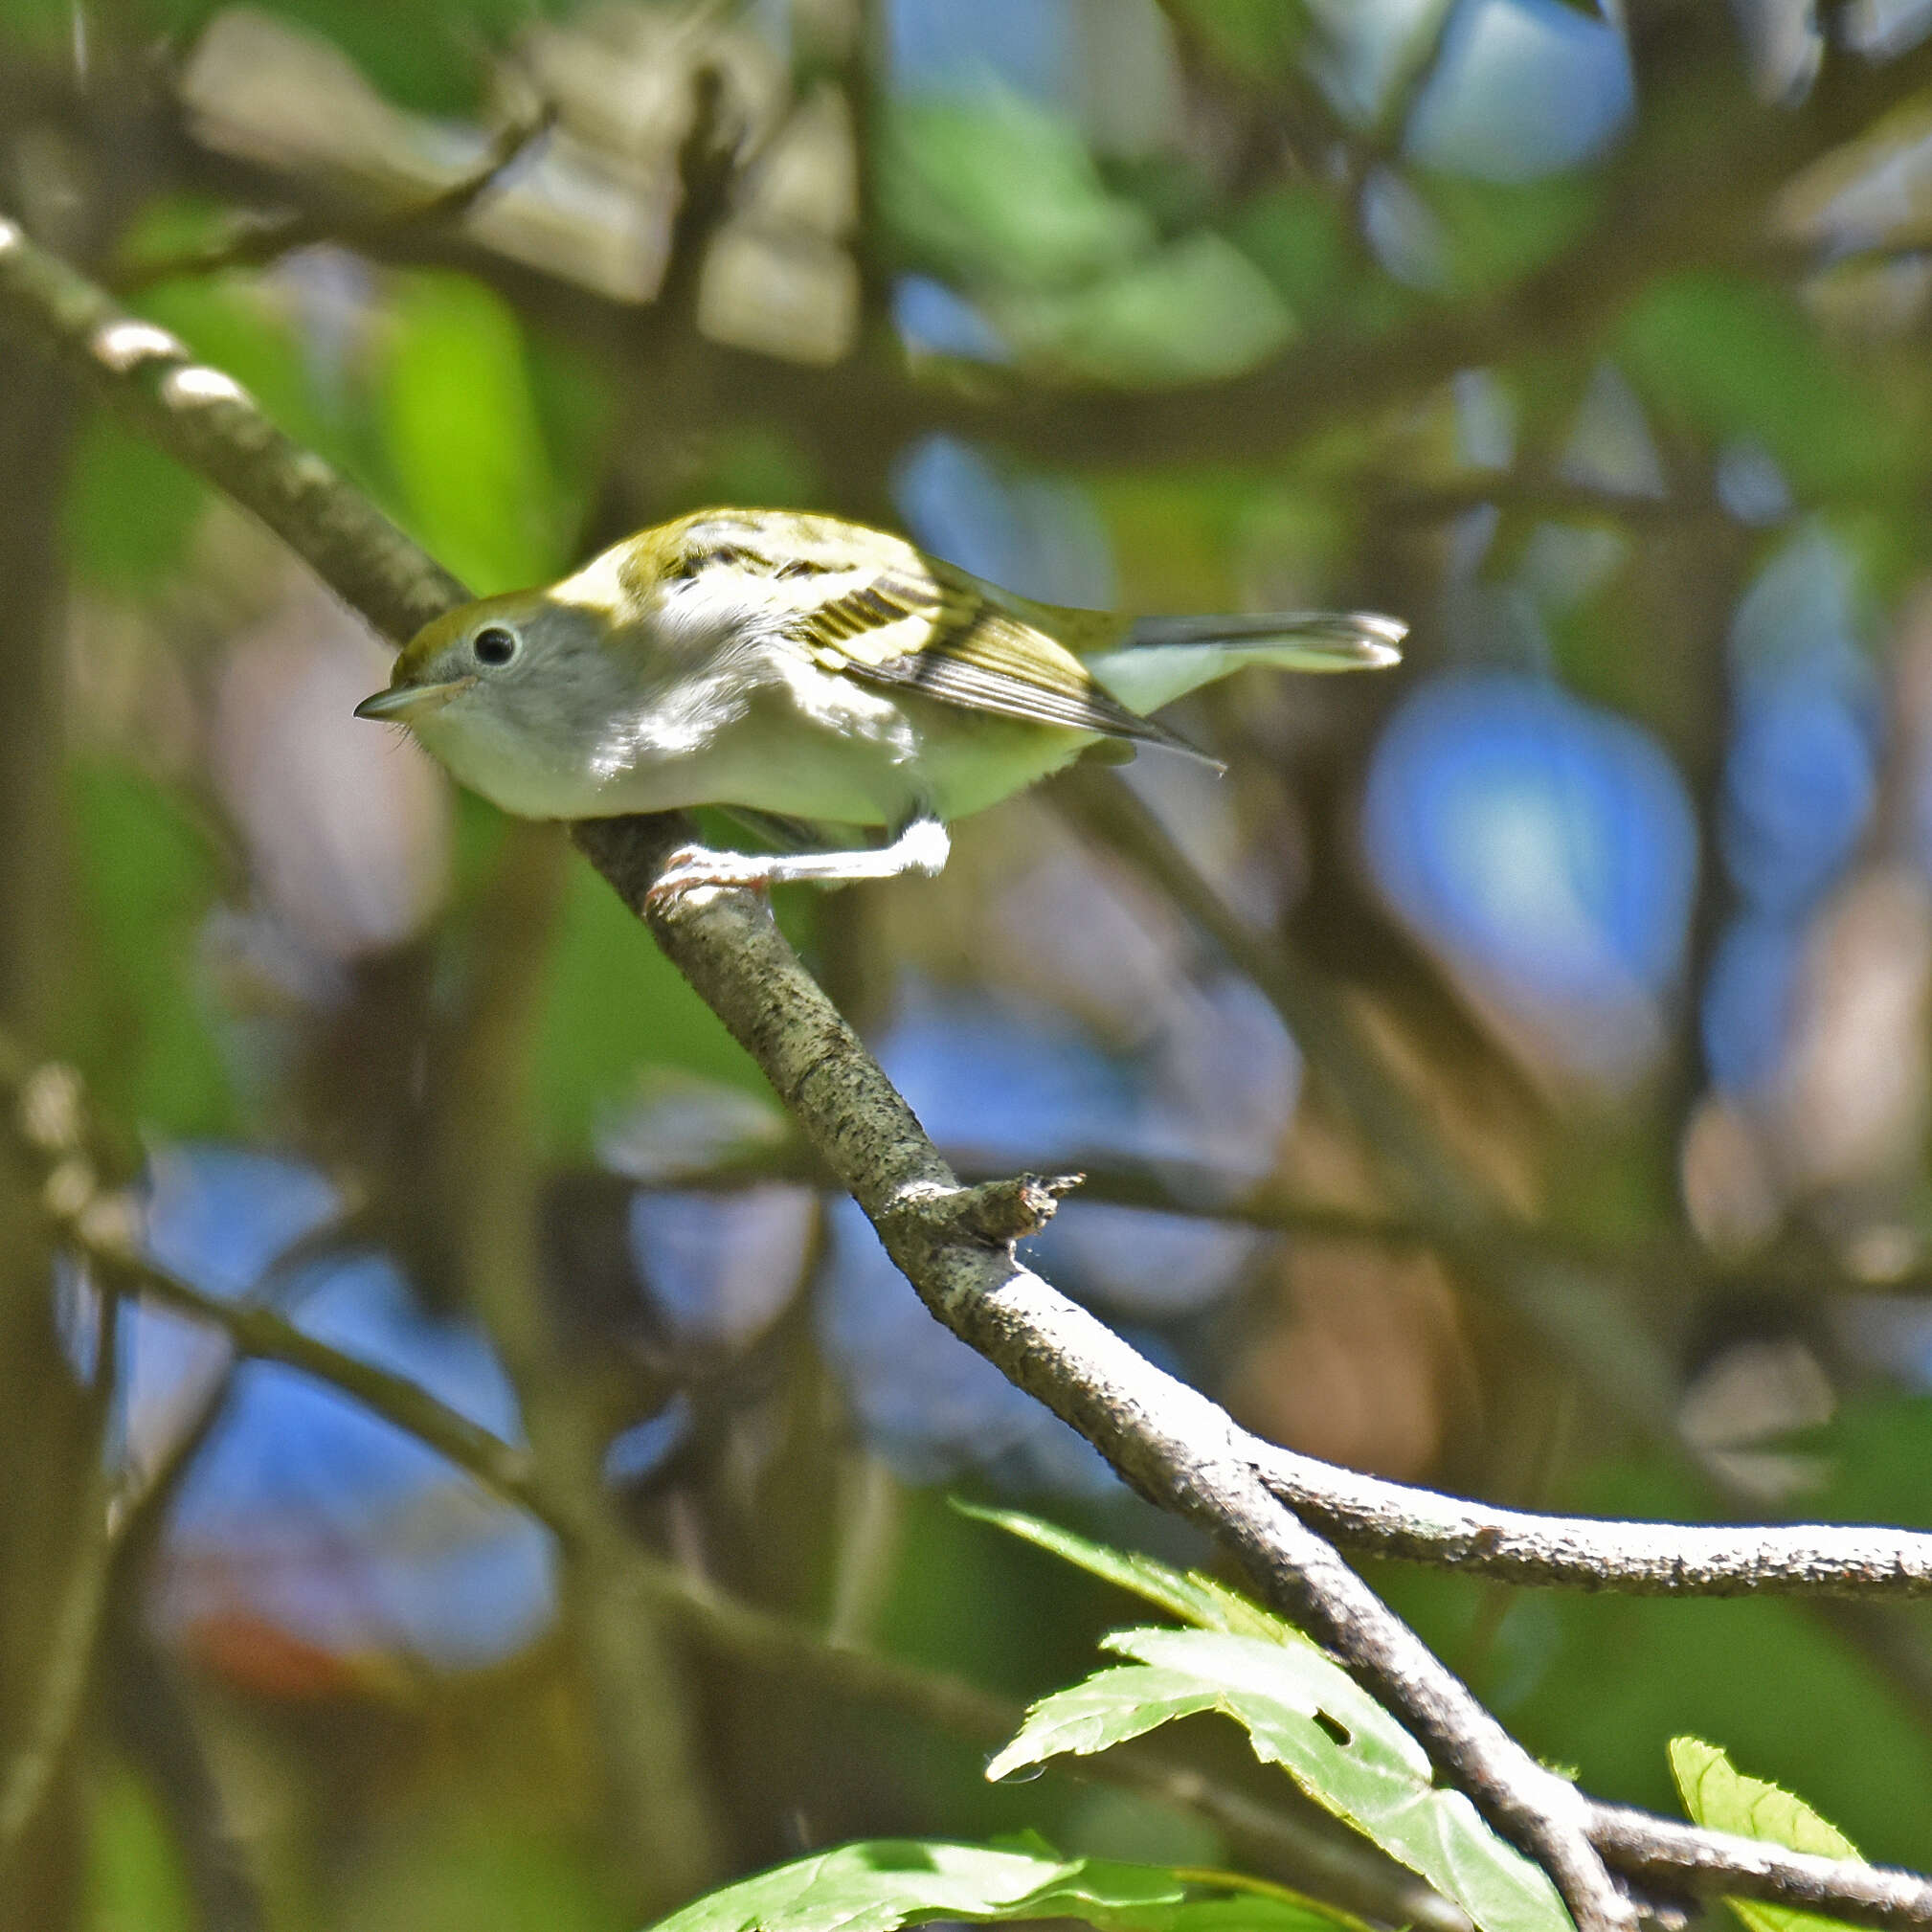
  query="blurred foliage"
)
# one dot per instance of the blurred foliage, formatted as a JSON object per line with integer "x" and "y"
{"x": 135, "y": 1882}
{"x": 461, "y": 426}
{"x": 144, "y": 1027}
{"x": 1592, "y": 342}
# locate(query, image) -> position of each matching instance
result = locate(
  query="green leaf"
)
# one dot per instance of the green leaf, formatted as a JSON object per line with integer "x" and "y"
{"x": 140, "y": 1023}
{"x": 1194, "y": 311}
{"x": 886, "y": 1883}
{"x": 134, "y": 1876}
{"x": 461, "y": 426}
{"x": 1189, "y": 1595}
{"x": 1308, "y": 1715}
{"x": 997, "y": 191}
{"x": 1722, "y": 1798}
{"x": 129, "y": 510}
{"x": 1731, "y": 358}
{"x": 615, "y": 1008}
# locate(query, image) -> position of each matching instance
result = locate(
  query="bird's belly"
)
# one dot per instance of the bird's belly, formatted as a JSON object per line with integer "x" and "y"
{"x": 803, "y": 743}
{"x": 875, "y": 759}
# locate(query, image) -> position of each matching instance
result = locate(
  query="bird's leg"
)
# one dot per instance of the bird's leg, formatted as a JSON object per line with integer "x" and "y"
{"x": 922, "y": 846}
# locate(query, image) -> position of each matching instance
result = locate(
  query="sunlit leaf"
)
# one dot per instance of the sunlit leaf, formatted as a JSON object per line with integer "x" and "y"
{"x": 1308, "y": 1715}
{"x": 1722, "y": 1798}
{"x": 1188, "y": 1595}
{"x": 886, "y": 1883}
{"x": 461, "y": 426}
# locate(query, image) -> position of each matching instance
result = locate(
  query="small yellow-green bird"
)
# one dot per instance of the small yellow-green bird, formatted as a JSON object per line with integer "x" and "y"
{"x": 803, "y": 668}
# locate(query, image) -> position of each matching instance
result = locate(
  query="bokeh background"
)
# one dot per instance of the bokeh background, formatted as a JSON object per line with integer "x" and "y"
{"x": 1512, "y": 1075}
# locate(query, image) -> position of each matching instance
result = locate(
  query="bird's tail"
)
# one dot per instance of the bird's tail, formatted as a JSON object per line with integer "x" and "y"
{"x": 1165, "y": 658}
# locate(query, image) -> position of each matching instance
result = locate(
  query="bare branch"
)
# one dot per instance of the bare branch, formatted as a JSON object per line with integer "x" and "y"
{"x": 1582, "y": 1553}
{"x": 206, "y": 420}
{"x": 259, "y": 242}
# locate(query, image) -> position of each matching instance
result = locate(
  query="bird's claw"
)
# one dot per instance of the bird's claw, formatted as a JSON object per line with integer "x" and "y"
{"x": 698, "y": 868}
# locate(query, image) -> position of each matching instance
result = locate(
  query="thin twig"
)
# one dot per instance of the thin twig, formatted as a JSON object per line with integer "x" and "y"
{"x": 264, "y": 240}
{"x": 29, "y": 1772}
{"x": 1582, "y": 1553}
{"x": 264, "y": 1333}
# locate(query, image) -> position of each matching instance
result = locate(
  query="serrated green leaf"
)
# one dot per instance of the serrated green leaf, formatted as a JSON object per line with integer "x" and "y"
{"x": 886, "y": 1883}
{"x": 1722, "y": 1798}
{"x": 1189, "y": 1595}
{"x": 1307, "y": 1715}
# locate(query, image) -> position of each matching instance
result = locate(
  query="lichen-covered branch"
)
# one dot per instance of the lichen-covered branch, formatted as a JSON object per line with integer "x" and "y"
{"x": 203, "y": 416}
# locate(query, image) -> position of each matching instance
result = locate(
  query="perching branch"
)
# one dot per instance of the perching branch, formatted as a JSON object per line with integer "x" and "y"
{"x": 1166, "y": 1439}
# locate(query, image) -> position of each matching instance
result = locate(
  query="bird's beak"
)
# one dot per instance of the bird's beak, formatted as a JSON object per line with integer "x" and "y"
{"x": 401, "y": 702}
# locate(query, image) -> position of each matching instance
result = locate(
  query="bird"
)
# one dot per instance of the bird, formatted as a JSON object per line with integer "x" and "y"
{"x": 817, "y": 679}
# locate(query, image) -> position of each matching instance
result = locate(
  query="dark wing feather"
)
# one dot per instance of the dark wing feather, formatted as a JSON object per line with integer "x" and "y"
{"x": 946, "y": 638}
{"x": 994, "y": 665}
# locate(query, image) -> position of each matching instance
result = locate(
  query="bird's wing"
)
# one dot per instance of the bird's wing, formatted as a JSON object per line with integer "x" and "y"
{"x": 918, "y": 624}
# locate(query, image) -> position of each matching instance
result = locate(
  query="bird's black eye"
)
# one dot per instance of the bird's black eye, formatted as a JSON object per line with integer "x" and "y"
{"x": 494, "y": 646}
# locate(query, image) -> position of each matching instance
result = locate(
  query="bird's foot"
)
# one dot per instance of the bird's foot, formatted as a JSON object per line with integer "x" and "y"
{"x": 700, "y": 869}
